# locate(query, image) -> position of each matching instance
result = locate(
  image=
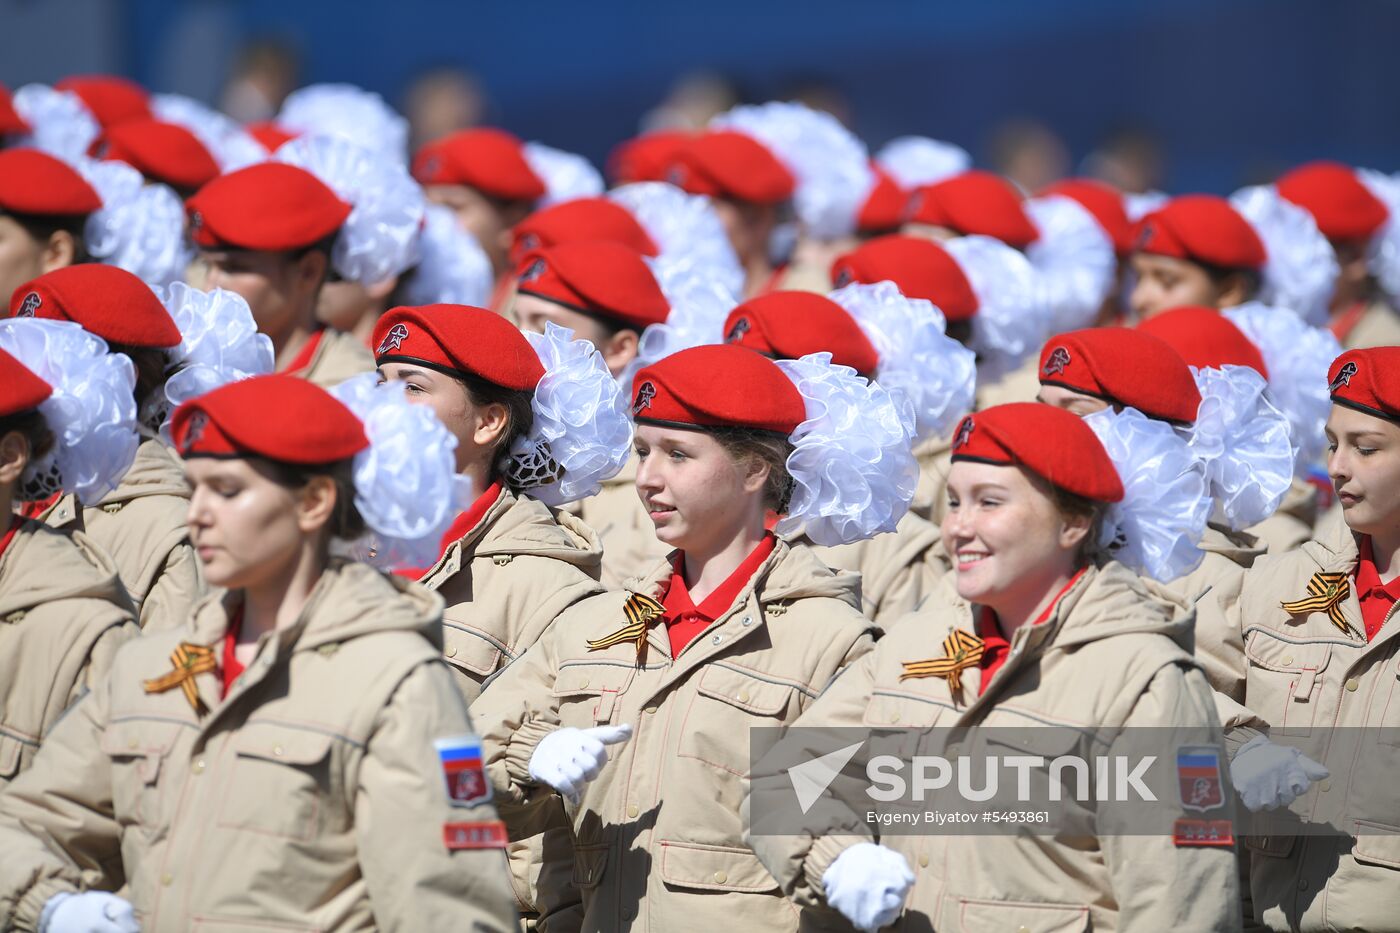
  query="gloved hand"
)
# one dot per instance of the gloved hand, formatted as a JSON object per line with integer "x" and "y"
{"x": 88, "y": 912}
{"x": 567, "y": 759}
{"x": 868, "y": 883}
{"x": 1268, "y": 776}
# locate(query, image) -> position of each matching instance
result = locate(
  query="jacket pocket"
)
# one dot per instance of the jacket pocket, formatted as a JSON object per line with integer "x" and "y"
{"x": 590, "y": 864}
{"x": 1004, "y": 916}
{"x": 1377, "y": 844}
{"x": 1270, "y": 846}
{"x": 1288, "y": 679}
{"x": 588, "y": 694}
{"x": 714, "y": 868}
{"x": 138, "y": 751}
{"x": 11, "y": 750}
{"x": 727, "y": 703}
{"x": 470, "y": 650}
{"x": 283, "y": 784}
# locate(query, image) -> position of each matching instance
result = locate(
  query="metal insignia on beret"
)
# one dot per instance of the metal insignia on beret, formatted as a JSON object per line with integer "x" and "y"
{"x": 529, "y": 241}
{"x": 196, "y": 221}
{"x": 737, "y": 332}
{"x": 393, "y": 340}
{"x": 1343, "y": 376}
{"x": 432, "y": 166}
{"x": 194, "y": 431}
{"x": 964, "y": 433}
{"x": 645, "y": 393}
{"x": 1144, "y": 236}
{"x": 533, "y": 271}
{"x": 1059, "y": 359}
{"x": 30, "y": 305}
{"x": 676, "y": 175}
{"x": 843, "y": 278}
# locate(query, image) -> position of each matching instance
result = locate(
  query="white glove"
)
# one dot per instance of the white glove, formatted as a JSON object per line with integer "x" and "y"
{"x": 89, "y": 912}
{"x": 1268, "y": 776}
{"x": 567, "y": 759}
{"x": 868, "y": 884}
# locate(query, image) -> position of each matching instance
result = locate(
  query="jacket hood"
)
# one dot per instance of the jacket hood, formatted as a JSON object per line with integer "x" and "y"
{"x": 1238, "y": 546}
{"x": 1334, "y": 546}
{"x": 1112, "y": 600}
{"x": 154, "y": 472}
{"x": 518, "y": 525}
{"x": 44, "y": 565}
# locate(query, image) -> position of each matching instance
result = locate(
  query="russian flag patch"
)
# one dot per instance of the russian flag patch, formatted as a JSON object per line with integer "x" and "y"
{"x": 463, "y": 769}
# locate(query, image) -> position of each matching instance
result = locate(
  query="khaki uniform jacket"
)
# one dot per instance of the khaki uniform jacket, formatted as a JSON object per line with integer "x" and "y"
{"x": 660, "y": 843}
{"x": 1307, "y": 680}
{"x": 338, "y": 356}
{"x": 1379, "y": 327}
{"x": 897, "y": 570}
{"x": 1213, "y": 588}
{"x": 311, "y": 798}
{"x": 630, "y": 547}
{"x": 1110, "y": 655}
{"x": 1294, "y": 521}
{"x": 141, "y": 524}
{"x": 63, "y": 615}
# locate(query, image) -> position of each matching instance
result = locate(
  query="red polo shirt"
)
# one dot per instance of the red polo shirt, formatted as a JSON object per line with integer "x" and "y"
{"x": 684, "y": 620}
{"x": 995, "y": 647}
{"x": 10, "y": 534}
{"x": 459, "y": 528}
{"x": 1375, "y": 597}
{"x": 230, "y": 668}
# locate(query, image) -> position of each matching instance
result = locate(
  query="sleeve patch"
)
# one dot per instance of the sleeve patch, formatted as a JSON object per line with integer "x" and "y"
{"x": 459, "y": 836}
{"x": 463, "y": 770}
{"x": 1203, "y": 833}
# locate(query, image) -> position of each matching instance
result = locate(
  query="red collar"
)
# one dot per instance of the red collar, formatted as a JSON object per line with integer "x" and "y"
{"x": 678, "y": 601}
{"x": 304, "y": 355}
{"x": 461, "y": 527}
{"x": 39, "y": 507}
{"x": 995, "y": 646}
{"x": 230, "y": 668}
{"x": 15, "y": 522}
{"x": 1374, "y": 596}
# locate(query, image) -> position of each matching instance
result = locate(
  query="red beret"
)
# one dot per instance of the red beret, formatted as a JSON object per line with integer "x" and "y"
{"x": 726, "y": 164}
{"x": 580, "y": 219}
{"x": 1104, "y": 202}
{"x": 268, "y": 207}
{"x": 111, "y": 100}
{"x": 1343, "y": 207}
{"x": 1367, "y": 380}
{"x": 790, "y": 325}
{"x": 1201, "y": 228}
{"x": 277, "y": 417}
{"x": 1127, "y": 367}
{"x": 163, "y": 152}
{"x": 270, "y": 135}
{"x": 34, "y": 182}
{"x": 1205, "y": 338}
{"x": 1050, "y": 442}
{"x": 718, "y": 386}
{"x": 20, "y": 389}
{"x": 975, "y": 202}
{"x": 920, "y": 268}
{"x": 883, "y": 210}
{"x": 489, "y": 160}
{"x": 459, "y": 339}
{"x": 645, "y": 157}
{"x": 598, "y": 278}
{"x": 10, "y": 120}
{"x": 109, "y": 302}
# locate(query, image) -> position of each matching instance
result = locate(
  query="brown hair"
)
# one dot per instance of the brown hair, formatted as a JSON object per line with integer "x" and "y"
{"x": 520, "y": 413}
{"x": 35, "y": 430}
{"x": 42, "y": 227}
{"x": 346, "y": 522}
{"x": 150, "y": 364}
{"x": 766, "y": 447}
{"x": 1073, "y": 505}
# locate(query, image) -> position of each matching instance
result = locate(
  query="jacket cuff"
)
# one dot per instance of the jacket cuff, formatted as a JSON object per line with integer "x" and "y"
{"x": 522, "y": 746}
{"x": 31, "y": 904}
{"x": 819, "y": 858}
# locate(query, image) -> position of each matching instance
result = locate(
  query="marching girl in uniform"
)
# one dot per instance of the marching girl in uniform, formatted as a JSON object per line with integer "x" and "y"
{"x": 63, "y": 611}
{"x": 44, "y": 208}
{"x": 296, "y": 755}
{"x": 737, "y": 629}
{"x": 1048, "y": 629}
{"x": 186, "y": 346}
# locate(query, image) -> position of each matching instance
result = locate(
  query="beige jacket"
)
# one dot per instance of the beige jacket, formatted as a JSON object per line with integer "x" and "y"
{"x": 1379, "y": 327}
{"x": 1294, "y": 521}
{"x": 141, "y": 524}
{"x": 338, "y": 356}
{"x": 1213, "y": 588}
{"x": 897, "y": 570}
{"x": 627, "y": 534}
{"x": 1112, "y": 654}
{"x": 660, "y": 842}
{"x": 935, "y": 459}
{"x": 311, "y": 798}
{"x": 1320, "y": 688}
{"x": 63, "y": 615}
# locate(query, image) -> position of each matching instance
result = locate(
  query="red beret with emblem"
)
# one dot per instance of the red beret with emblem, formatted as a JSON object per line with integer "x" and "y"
{"x": 1205, "y": 338}
{"x": 491, "y": 161}
{"x": 34, "y": 182}
{"x": 1201, "y": 228}
{"x": 883, "y": 210}
{"x": 106, "y": 301}
{"x": 727, "y": 164}
{"x": 10, "y": 120}
{"x": 1123, "y": 366}
{"x": 790, "y": 325}
{"x": 1050, "y": 442}
{"x": 270, "y": 135}
{"x": 20, "y": 389}
{"x": 163, "y": 152}
{"x": 645, "y": 157}
{"x": 718, "y": 386}
{"x": 919, "y": 268}
{"x": 1343, "y": 207}
{"x": 598, "y": 278}
{"x": 975, "y": 202}
{"x": 459, "y": 339}
{"x": 267, "y": 207}
{"x": 580, "y": 219}
{"x": 1104, "y": 202}
{"x": 1367, "y": 380}
{"x": 111, "y": 100}
{"x": 277, "y": 417}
